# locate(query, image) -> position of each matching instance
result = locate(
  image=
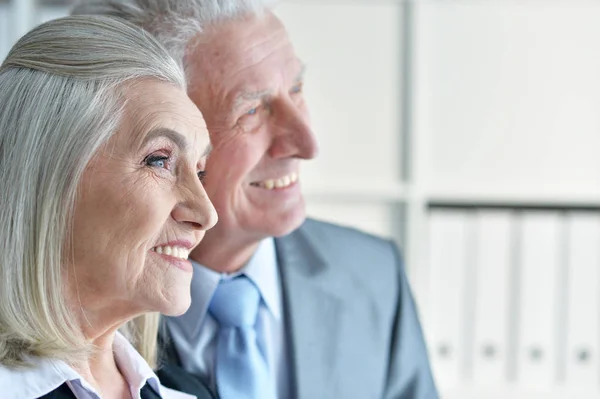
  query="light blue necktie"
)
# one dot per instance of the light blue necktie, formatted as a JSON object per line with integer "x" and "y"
{"x": 241, "y": 369}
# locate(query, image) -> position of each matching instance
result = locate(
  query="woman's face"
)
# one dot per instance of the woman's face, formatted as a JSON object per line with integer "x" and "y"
{"x": 141, "y": 208}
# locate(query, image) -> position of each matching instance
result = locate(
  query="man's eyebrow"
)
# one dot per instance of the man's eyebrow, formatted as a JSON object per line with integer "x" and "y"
{"x": 207, "y": 150}
{"x": 249, "y": 96}
{"x": 177, "y": 138}
{"x": 301, "y": 74}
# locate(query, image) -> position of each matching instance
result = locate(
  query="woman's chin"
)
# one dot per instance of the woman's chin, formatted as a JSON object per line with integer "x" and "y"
{"x": 175, "y": 311}
{"x": 178, "y": 305}
{"x": 174, "y": 298}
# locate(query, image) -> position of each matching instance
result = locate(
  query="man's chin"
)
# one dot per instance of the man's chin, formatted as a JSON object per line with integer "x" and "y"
{"x": 250, "y": 229}
{"x": 287, "y": 224}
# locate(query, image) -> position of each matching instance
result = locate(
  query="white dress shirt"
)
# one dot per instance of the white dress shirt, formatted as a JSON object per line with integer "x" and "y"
{"x": 195, "y": 333}
{"x": 46, "y": 375}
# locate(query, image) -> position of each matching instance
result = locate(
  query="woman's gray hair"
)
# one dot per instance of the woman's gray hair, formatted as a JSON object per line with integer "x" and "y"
{"x": 61, "y": 99}
{"x": 174, "y": 22}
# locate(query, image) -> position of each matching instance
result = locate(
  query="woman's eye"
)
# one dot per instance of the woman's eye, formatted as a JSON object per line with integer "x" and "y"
{"x": 202, "y": 175}
{"x": 157, "y": 161}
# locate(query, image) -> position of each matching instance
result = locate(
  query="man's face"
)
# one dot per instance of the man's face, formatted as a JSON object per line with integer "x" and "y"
{"x": 247, "y": 81}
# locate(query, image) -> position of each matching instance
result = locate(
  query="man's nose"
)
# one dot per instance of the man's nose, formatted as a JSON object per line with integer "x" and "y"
{"x": 292, "y": 135}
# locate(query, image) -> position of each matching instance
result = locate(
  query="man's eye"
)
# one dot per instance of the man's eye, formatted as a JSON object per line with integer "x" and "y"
{"x": 202, "y": 175}
{"x": 157, "y": 161}
{"x": 296, "y": 89}
{"x": 252, "y": 111}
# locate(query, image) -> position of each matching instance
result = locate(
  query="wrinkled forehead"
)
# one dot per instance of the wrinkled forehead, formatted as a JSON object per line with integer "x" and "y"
{"x": 249, "y": 48}
{"x": 150, "y": 105}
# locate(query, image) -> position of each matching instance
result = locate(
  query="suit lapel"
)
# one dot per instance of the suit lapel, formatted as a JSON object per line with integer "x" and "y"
{"x": 312, "y": 314}
{"x": 62, "y": 392}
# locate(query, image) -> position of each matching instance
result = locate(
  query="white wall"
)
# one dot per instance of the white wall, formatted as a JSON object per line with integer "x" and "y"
{"x": 512, "y": 97}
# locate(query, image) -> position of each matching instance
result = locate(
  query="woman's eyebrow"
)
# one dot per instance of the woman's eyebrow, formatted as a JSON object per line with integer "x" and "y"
{"x": 177, "y": 138}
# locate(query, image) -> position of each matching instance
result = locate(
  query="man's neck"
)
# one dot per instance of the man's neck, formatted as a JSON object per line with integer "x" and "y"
{"x": 223, "y": 256}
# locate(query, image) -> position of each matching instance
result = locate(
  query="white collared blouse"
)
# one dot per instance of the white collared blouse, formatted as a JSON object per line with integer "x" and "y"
{"x": 46, "y": 375}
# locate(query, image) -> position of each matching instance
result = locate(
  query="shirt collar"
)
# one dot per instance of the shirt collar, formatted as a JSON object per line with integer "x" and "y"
{"x": 45, "y": 375}
{"x": 133, "y": 366}
{"x": 40, "y": 377}
{"x": 261, "y": 269}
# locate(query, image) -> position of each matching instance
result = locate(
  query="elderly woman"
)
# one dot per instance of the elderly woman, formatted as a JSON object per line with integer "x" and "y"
{"x": 101, "y": 164}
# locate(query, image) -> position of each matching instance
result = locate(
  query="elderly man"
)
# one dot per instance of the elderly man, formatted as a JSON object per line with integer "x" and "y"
{"x": 282, "y": 307}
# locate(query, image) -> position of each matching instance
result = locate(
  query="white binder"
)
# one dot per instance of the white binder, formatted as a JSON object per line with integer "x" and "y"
{"x": 448, "y": 233}
{"x": 583, "y": 296}
{"x": 539, "y": 265}
{"x": 493, "y": 251}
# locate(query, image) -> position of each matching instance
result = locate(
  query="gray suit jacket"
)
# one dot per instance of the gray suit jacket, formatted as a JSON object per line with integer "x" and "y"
{"x": 353, "y": 329}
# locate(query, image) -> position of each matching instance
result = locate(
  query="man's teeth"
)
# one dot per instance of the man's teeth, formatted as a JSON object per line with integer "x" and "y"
{"x": 279, "y": 183}
{"x": 176, "y": 252}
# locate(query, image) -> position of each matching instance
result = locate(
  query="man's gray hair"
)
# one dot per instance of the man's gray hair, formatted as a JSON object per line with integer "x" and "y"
{"x": 61, "y": 90}
{"x": 174, "y": 22}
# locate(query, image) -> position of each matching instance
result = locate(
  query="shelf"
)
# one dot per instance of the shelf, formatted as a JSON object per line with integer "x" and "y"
{"x": 525, "y": 198}
{"x": 357, "y": 191}
{"x": 515, "y": 391}
{"x": 360, "y": 191}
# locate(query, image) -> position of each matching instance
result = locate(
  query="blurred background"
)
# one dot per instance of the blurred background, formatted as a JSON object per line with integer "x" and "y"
{"x": 468, "y": 131}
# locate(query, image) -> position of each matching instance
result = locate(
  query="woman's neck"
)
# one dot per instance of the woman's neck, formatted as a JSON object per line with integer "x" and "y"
{"x": 102, "y": 371}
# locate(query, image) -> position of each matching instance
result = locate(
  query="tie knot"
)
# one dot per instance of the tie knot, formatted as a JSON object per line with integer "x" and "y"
{"x": 235, "y": 302}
